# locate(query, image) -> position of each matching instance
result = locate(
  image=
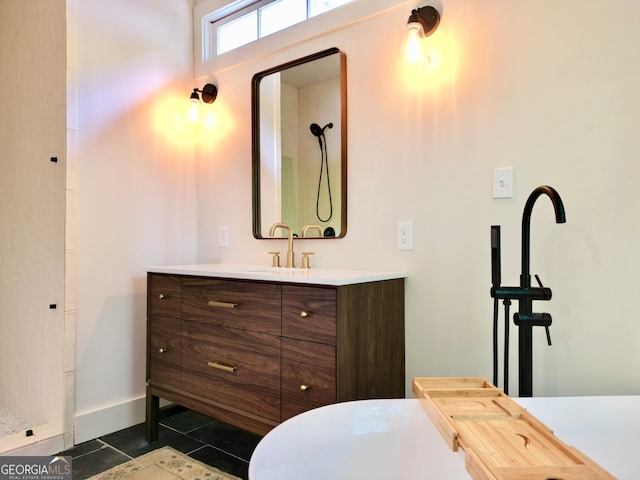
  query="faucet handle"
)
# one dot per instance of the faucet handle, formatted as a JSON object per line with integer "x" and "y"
{"x": 305, "y": 259}
{"x": 275, "y": 262}
{"x": 546, "y": 293}
{"x": 546, "y": 322}
{"x": 533, "y": 319}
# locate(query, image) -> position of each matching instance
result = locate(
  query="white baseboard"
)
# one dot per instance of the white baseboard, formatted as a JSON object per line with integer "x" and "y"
{"x": 109, "y": 419}
{"x": 46, "y": 440}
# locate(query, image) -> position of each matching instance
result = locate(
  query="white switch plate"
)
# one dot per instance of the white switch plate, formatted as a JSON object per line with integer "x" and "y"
{"x": 404, "y": 235}
{"x": 503, "y": 182}
{"x": 223, "y": 237}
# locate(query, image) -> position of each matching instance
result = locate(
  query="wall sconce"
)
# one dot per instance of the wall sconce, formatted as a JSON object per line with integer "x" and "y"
{"x": 421, "y": 23}
{"x": 209, "y": 93}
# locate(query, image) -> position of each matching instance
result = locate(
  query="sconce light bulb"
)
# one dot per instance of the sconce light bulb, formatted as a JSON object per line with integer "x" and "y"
{"x": 412, "y": 51}
{"x": 193, "y": 110}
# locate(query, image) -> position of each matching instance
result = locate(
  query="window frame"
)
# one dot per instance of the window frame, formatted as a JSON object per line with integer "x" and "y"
{"x": 238, "y": 10}
{"x": 207, "y": 62}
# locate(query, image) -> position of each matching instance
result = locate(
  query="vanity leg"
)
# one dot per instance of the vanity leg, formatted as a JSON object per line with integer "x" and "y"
{"x": 152, "y": 421}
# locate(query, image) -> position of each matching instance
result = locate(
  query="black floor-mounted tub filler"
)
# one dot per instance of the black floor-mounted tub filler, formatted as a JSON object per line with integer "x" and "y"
{"x": 525, "y": 294}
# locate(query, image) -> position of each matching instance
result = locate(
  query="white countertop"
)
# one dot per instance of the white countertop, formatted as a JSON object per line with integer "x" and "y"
{"x": 317, "y": 276}
{"x": 383, "y": 439}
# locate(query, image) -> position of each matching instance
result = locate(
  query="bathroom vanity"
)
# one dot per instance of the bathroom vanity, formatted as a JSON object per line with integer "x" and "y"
{"x": 254, "y": 346}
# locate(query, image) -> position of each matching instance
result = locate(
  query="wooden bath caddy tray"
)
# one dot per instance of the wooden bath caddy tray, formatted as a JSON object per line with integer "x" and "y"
{"x": 500, "y": 439}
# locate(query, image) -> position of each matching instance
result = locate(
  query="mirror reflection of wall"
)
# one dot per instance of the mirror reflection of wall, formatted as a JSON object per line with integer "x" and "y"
{"x": 270, "y": 149}
{"x": 290, "y": 158}
{"x": 301, "y": 168}
{"x": 312, "y": 180}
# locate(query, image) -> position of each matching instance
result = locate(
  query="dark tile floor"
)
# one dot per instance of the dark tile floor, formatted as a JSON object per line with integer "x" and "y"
{"x": 203, "y": 438}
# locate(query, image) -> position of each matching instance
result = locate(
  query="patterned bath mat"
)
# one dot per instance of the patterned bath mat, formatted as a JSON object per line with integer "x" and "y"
{"x": 164, "y": 464}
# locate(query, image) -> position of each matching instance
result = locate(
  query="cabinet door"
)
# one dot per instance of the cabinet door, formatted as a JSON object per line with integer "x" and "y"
{"x": 308, "y": 376}
{"x": 230, "y": 303}
{"x": 163, "y": 350}
{"x": 164, "y": 295}
{"x": 234, "y": 367}
{"x": 309, "y": 313}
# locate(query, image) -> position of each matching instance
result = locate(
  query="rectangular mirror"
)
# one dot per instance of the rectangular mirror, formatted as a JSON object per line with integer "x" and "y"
{"x": 299, "y": 136}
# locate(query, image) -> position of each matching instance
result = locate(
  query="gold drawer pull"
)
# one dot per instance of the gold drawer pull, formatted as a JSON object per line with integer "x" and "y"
{"x": 220, "y": 366}
{"x": 304, "y": 314}
{"x": 162, "y": 350}
{"x": 162, "y": 296}
{"x": 304, "y": 388}
{"x": 213, "y": 303}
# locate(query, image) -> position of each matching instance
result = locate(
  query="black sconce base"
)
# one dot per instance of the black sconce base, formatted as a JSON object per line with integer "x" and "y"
{"x": 209, "y": 93}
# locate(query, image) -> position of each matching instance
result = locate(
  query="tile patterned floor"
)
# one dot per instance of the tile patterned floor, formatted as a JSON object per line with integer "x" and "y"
{"x": 11, "y": 423}
{"x": 210, "y": 441}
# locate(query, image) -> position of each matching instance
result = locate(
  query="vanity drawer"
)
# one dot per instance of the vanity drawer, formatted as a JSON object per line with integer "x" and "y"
{"x": 308, "y": 376}
{"x": 232, "y": 366}
{"x": 161, "y": 372}
{"x": 309, "y": 313}
{"x": 164, "y": 295}
{"x": 164, "y": 350}
{"x": 246, "y": 305}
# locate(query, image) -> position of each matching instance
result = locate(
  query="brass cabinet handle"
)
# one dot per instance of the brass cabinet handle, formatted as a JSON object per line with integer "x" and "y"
{"x": 162, "y": 350}
{"x": 162, "y": 296}
{"x": 213, "y": 303}
{"x": 220, "y": 366}
{"x": 304, "y": 314}
{"x": 304, "y": 387}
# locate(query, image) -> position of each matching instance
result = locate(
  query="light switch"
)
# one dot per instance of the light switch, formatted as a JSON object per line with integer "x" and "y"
{"x": 503, "y": 182}
{"x": 223, "y": 237}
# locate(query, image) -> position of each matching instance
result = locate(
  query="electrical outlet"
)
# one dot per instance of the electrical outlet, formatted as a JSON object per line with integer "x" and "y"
{"x": 404, "y": 235}
{"x": 223, "y": 237}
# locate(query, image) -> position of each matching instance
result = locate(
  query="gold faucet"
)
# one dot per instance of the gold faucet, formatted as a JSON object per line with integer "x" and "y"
{"x": 308, "y": 227}
{"x": 291, "y": 259}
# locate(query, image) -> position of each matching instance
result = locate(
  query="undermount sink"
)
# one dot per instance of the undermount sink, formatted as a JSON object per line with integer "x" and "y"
{"x": 276, "y": 270}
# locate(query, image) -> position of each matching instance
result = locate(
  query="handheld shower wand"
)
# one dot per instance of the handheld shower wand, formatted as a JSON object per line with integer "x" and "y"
{"x": 318, "y": 131}
{"x": 495, "y": 284}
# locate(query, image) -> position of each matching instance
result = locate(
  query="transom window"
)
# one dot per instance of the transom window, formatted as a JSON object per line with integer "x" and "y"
{"x": 265, "y": 17}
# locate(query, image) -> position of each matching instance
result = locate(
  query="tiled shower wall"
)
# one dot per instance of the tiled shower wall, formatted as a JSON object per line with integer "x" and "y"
{"x": 36, "y": 343}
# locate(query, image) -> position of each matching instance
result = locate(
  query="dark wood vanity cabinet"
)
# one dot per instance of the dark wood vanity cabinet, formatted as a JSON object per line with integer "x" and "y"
{"x": 255, "y": 353}
{"x": 164, "y": 330}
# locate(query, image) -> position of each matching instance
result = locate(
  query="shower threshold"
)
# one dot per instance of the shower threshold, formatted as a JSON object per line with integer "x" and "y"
{"x": 45, "y": 440}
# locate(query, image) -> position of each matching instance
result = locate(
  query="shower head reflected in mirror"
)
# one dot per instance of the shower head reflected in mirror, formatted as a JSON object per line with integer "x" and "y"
{"x": 317, "y": 131}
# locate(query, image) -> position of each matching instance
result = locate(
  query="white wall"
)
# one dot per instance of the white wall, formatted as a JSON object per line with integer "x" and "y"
{"x": 136, "y": 203}
{"x": 546, "y": 87}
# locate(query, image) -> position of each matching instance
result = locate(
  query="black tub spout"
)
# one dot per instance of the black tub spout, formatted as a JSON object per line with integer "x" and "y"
{"x": 558, "y": 206}
{"x": 525, "y": 311}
